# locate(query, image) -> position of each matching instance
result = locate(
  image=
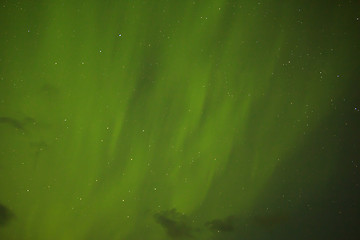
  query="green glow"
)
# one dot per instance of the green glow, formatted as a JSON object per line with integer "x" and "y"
{"x": 112, "y": 113}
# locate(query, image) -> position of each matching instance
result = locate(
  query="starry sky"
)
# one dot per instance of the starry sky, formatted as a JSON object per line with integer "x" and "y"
{"x": 162, "y": 120}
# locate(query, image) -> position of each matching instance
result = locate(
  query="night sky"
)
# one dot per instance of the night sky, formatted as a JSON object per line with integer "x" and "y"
{"x": 165, "y": 119}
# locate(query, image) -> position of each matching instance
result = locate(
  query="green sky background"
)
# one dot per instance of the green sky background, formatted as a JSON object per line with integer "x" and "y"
{"x": 166, "y": 119}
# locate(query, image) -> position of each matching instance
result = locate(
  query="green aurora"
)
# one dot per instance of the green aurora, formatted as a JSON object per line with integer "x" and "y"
{"x": 218, "y": 119}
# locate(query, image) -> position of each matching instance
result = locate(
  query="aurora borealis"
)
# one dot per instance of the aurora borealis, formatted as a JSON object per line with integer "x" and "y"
{"x": 164, "y": 119}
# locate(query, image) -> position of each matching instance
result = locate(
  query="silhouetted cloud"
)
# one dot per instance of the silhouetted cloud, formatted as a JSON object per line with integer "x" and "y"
{"x": 180, "y": 226}
{"x": 5, "y": 215}
{"x": 245, "y": 226}
{"x": 176, "y": 224}
{"x": 12, "y": 122}
{"x": 222, "y": 225}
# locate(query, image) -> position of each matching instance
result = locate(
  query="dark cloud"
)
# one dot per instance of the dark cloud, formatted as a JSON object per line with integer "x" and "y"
{"x": 180, "y": 226}
{"x": 21, "y": 125}
{"x": 5, "y": 215}
{"x": 12, "y": 122}
{"x": 247, "y": 226}
{"x": 222, "y": 225}
{"x": 176, "y": 224}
